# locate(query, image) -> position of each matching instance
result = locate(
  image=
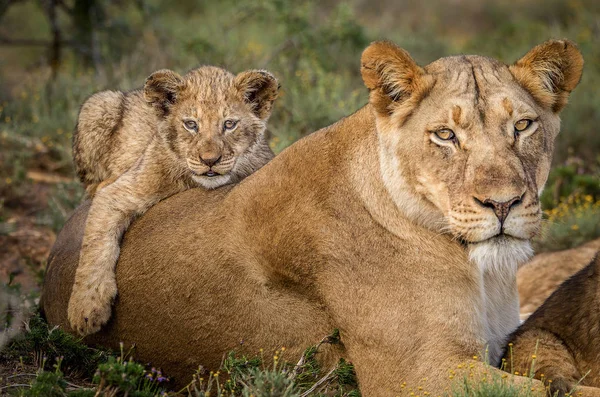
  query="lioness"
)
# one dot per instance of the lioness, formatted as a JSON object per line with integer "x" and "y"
{"x": 401, "y": 225}
{"x": 204, "y": 129}
{"x": 563, "y": 334}
{"x": 542, "y": 275}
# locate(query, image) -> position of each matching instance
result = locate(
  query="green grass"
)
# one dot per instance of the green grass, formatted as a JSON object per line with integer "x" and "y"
{"x": 64, "y": 366}
{"x": 51, "y": 362}
{"x": 42, "y": 346}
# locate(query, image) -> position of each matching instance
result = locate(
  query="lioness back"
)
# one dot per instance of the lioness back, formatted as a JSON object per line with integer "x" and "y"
{"x": 113, "y": 129}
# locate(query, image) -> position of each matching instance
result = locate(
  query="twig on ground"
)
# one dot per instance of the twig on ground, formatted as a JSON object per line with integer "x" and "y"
{"x": 14, "y": 385}
{"x": 319, "y": 382}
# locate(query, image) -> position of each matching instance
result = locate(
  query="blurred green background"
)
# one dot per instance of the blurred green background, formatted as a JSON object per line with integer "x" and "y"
{"x": 55, "y": 53}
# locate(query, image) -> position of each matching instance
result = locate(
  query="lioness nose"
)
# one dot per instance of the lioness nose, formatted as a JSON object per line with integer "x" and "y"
{"x": 210, "y": 159}
{"x": 501, "y": 209}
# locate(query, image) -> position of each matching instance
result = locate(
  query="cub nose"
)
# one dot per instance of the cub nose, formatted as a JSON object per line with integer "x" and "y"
{"x": 210, "y": 159}
{"x": 500, "y": 208}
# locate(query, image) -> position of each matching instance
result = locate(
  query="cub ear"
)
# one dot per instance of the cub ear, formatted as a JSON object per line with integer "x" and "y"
{"x": 161, "y": 89}
{"x": 550, "y": 71}
{"x": 259, "y": 88}
{"x": 391, "y": 75}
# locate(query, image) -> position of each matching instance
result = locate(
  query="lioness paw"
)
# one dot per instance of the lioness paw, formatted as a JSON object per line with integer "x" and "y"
{"x": 89, "y": 309}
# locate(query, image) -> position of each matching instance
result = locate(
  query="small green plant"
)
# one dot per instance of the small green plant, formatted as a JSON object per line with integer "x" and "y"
{"x": 238, "y": 368}
{"x": 47, "y": 384}
{"x": 119, "y": 376}
{"x": 41, "y": 345}
{"x": 251, "y": 377}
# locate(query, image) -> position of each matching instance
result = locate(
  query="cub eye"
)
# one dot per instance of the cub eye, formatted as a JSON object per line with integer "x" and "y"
{"x": 522, "y": 125}
{"x": 191, "y": 125}
{"x": 230, "y": 124}
{"x": 445, "y": 134}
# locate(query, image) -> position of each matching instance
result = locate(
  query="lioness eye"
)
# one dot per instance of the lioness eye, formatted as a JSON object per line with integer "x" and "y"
{"x": 445, "y": 134}
{"x": 191, "y": 125}
{"x": 230, "y": 124}
{"x": 522, "y": 125}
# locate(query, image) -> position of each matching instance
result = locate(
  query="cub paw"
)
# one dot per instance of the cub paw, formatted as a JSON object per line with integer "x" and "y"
{"x": 90, "y": 308}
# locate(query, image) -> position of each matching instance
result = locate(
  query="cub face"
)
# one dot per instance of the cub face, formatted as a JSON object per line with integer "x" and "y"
{"x": 211, "y": 118}
{"x": 466, "y": 142}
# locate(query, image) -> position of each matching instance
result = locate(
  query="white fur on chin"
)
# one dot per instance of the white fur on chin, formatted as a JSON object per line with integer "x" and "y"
{"x": 499, "y": 253}
{"x": 212, "y": 182}
{"x": 498, "y": 260}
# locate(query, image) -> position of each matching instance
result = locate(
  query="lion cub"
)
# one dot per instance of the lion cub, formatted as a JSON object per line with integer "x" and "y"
{"x": 565, "y": 330}
{"x": 131, "y": 150}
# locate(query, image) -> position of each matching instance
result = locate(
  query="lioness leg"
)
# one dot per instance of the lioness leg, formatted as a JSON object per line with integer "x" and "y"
{"x": 552, "y": 359}
{"x": 112, "y": 210}
{"x": 536, "y": 386}
{"x": 475, "y": 372}
{"x": 432, "y": 371}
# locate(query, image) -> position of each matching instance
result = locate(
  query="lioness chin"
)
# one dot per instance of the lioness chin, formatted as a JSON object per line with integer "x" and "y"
{"x": 400, "y": 225}
{"x": 204, "y": 129}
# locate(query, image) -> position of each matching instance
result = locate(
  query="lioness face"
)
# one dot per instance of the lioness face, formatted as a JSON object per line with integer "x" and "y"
{"x": 212, "y": 118}
{"x": 485, "y": 146}
{"x": 466, "y": 142}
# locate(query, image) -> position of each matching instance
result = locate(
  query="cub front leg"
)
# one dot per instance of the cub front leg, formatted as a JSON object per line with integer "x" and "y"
{"x": 95, "y": 285}
{"x": 112, "y": 210}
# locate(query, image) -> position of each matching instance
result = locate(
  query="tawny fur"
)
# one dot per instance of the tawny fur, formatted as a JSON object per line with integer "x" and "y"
{"x": 113, "y": 130}
{"x": 564, "y": 335}
{"x": 542, "y": 275}
{"x": 133, "y": 150}
{"x": 365, "y": 226}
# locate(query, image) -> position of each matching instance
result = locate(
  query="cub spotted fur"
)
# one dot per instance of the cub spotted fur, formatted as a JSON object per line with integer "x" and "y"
{"x": 204, "y": 129}
{"x": 564, "y": 335}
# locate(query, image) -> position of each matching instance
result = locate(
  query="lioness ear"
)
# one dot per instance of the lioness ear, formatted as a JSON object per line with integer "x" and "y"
{"x": 390, "y": 74}
{"x": 161, "y": 89}
{"x": 550, "y": 71}
{"x": 259, "y": 88}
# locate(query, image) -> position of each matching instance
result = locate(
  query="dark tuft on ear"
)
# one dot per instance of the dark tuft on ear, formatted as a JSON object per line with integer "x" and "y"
{"x": 390, "y": 74}
{"x": 550, "y": 71}
{"x": 259, "y": 88}
{"x": 161, "y": 89}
